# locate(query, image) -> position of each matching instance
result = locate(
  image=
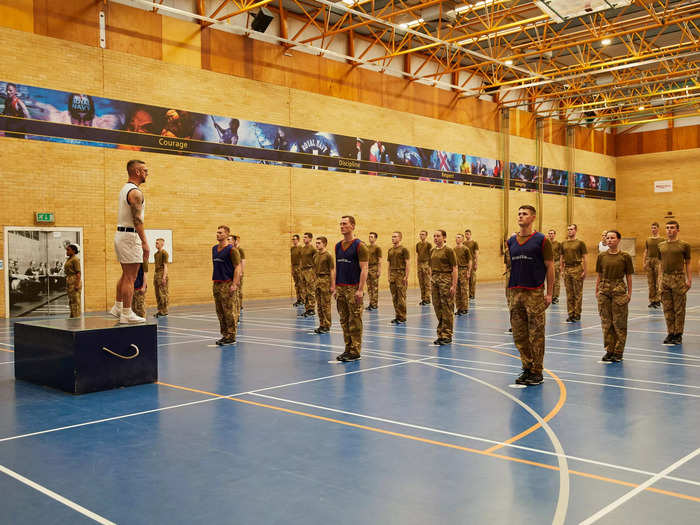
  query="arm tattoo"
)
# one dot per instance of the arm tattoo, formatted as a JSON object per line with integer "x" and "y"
{"x": 136, "y": 205}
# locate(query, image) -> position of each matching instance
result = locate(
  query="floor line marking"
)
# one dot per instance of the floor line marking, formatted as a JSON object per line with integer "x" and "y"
{"x": 563, "y": 499}
{"x": 582, "y": 382}
{"x": 632, "y": 493}
{"x": 6, "y": 362}
{"x": 53, "y": 495}
{"x": 197, "y": 402}
{"x": 476, "y": 438}
{"x": 448, "y": 445}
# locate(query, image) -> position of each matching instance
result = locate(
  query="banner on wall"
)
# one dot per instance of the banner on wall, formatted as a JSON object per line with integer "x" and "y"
{"x": 34, "y": 113}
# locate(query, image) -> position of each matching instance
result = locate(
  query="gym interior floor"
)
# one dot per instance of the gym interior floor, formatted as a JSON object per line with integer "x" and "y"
{"x": 274, "y": 430}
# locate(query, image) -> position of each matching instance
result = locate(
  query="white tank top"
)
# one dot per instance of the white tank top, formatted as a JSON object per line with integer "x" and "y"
{"x": 125, "y": 218}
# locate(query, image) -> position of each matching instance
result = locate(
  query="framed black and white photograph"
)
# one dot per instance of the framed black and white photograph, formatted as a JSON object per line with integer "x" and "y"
{"x": 35, "y": 283}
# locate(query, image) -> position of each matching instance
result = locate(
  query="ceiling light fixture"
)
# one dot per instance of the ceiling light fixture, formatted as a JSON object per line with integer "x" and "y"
{"x": 606, "y": 41}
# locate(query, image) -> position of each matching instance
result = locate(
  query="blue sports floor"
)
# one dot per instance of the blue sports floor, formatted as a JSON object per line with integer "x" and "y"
{"x": 274, "y": 431}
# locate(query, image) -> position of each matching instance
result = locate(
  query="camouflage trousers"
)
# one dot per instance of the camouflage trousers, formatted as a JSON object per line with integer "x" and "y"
{"x": 298, "y": 283}
{"x": 240, "y": 296}
{"x": 613, "y": 305}
{"x": 308, "y": 277}
{"x": 673, "y": 296}
{"x": 573, "y": 282}
{"x": 527, "y": 318}
{"x": 462, "y": 294}
{"x": 472, "y": 284}
{"x": 350, "y": 313}
{"x": 424, "y": 281}
{"x": 73, "y": 291}
{"x": 323, "y": 300}
{"x": 508, "y": 294}
{"x": 557, "y": 280}
{"x": 373, "y": 285}
{"x": 654, "y": 279}
{"x": 162, "y": 293}
{"x": 443, "y": 303}
{"x": 138, "y": 302}
{"x": 226, "y": 308}
{"x": 398, "y": 292}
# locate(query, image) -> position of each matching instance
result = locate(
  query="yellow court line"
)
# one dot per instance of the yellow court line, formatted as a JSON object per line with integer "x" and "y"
{"x": 6, "y": 350}
{"x": 432, "y": 442}
{"x": 536, "y": 426}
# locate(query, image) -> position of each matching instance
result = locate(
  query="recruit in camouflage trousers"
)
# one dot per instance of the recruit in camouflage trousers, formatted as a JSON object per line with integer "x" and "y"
{"x": 573, "y": 281}
{"x": 73, "y": 291}
{"x": 138, "y": 302}
{"x": 443, "y": 303}
{"x": 398, "y": 292}
{"x": 226, "y": 308}
{"x": 373, "y": 284}
{"x": 673, "y": 297}
{"x": 527, "y": 316}
{"x": 350, "y": 313}
{"x": 323, "y": 301}
{"x": 557, "y": 281}
{"x": 462, "y": 294}
{"x": 162, "y": 293}
{"x": 424, "y": 281}
{"x": 613, "y": 305}
{"x": 654, "y": 279}
{"x": 308, "y": 276}
{"x": 298, "y": 283}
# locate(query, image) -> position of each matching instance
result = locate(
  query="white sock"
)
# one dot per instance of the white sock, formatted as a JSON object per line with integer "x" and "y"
{"x": 126, "y": 312}
{"x": 119, "y": 304}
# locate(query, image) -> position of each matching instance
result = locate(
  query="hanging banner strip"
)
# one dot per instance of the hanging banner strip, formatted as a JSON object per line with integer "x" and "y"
{"x": 42, "y": 114}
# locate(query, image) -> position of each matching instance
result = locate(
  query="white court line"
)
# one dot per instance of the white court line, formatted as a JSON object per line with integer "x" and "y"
{"x": 580, "y": 381}
{"x": 51, "y": 494}
{"x": 650, "y": 353}
{"x": 632, "y": 493}
{"x": 663, "y": 352}
{"x": 7, "y": 345}
{"x": 207, "y": 339}
{"x": 563, "y": 500}
{"x": 685, "y": 334}
{"x": 475, "y": 438}
{"x": 200, "y": 401}
{"x": 6, "y": 362}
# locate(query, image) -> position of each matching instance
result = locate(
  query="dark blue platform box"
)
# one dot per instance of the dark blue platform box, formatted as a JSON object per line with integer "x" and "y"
{"x": 74, "y": 354}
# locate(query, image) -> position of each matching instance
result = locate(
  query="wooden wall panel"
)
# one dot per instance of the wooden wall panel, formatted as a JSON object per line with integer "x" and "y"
{"x": 654, "y": 141}
{"x": 182, "y": 42}
{"x": 134, "y": 31}
{"x": 75, "y": 21}
{"x": 686, "y": 137}
{"x": 17, "y": 14}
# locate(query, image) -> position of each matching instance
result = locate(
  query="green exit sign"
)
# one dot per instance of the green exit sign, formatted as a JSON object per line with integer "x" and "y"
{"x": 44, "y": 217}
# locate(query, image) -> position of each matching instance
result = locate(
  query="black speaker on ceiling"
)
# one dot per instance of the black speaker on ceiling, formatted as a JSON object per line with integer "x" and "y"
{"x": 261, "y": 21}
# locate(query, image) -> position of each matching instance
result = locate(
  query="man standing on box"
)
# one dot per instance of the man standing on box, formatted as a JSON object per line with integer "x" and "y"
{"x": 73, "y": 284}
{"x": 130, "y": 241}
{"x": 160, "y": 278}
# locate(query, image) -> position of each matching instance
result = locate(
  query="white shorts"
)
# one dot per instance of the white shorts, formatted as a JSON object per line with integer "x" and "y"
{"x": 127, "y": 246}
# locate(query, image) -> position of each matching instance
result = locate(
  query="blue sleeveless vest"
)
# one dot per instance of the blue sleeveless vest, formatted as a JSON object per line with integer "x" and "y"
{"x": 347, "y": 264}
{"x": 223, "y": 267}
{"x": 527, "y": 268}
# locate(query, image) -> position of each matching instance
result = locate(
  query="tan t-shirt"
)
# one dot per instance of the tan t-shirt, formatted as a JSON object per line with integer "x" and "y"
{"x": 72, "y": 266}
{"x": 442, "y": 259}
{"x": 161, "y": 259}
{"x": 423, "y": 250}
{"x": 614, "y": 266}
{"x": 323, "y": 263}
{"x": 398, "y": 258}
{"x": 307, "y": 256}
{"x": 295, "y": 254}
{"x": 573, "y": 251}
{"x": 652, "y": 246}
{"x": 472, "y": 246}
{"x": 463, "y": 256}
{"x": 556, "y": 251}
{"x": 673, "y": 255}
{"x": 375, "y": 253}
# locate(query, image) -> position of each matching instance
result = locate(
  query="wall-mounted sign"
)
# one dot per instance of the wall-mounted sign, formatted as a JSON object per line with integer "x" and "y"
{"x": 44, "y": 217}
{"x": 663, "y": 186}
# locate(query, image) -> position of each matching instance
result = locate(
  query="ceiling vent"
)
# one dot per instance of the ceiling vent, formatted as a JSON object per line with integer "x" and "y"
{"x": 562, "y": 10}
